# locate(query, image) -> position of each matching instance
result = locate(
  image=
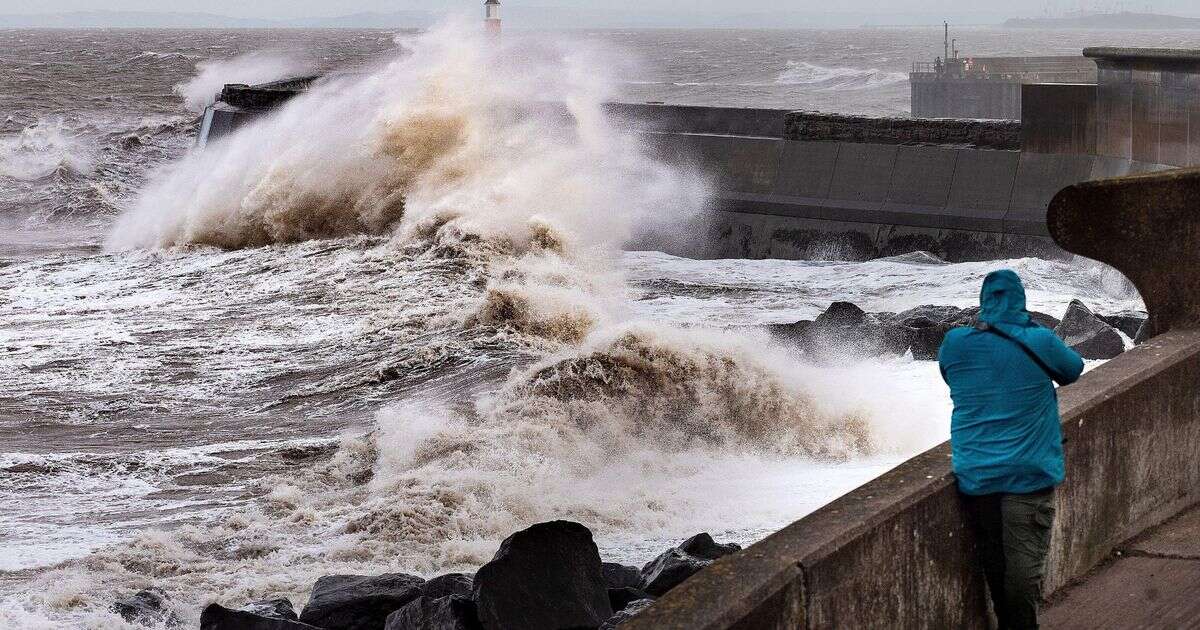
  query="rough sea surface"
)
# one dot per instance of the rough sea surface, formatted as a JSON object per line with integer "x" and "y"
{"x": 392, "y": 324}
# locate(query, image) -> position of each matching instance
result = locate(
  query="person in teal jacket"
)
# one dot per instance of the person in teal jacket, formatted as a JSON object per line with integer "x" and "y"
{"x": 1006, "y": 440}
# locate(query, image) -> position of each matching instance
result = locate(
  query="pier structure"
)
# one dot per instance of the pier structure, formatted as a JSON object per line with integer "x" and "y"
{"x": 954, "y": 86}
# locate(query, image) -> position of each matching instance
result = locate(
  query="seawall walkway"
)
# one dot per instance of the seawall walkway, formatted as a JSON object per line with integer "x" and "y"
{"x": 1152, "y": 582}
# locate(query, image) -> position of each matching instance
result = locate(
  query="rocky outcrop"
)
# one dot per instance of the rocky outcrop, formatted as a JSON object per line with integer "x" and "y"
{"x": 1088, "y": 335}
{"x": 619, "y": 598}
{"x": 626, "y": 614}
{"x": 1128, "y": 322}
{"x": 279, "y": 608}
{"x": 461, "y": 584}
{"x": 147, "y": 607}
{"x": 217, "y": 617}
{"x": 847, "y": 330}
{"x": 620, "y": 575}
{"x": 357, "y": 602}
{"x": 675, "y": 565}
{"x": 444, "y": 613}
{"x": 545, "y": 577}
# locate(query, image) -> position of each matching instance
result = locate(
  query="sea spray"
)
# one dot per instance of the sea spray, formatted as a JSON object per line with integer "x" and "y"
{"x": 251, "y": 68}
{"x": 453, "y": 156}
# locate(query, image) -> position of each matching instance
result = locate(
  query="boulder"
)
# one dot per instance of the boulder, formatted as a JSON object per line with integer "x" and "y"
{"x": 1128, "y": 322}
{"x": 703, "y": 546}
{"x": 450, "y": 584}
{"x": 545, "y": 577}
{"x": 840, "y": 314}
{"x": 359, "y": 602}
{"x": 620, "y": 575}
{"x": 621, "y": 597}
{"x": 1047, "y": 321}
{"x": 670, "y": 570}
{"x": 454, "y": 612}
{"x": 1088, "y": 335}
{"x": 924, "y": 337}
{"x": 217, "y": 617}
{"x": 1143, "y": 334}
{"x": 677, "y": 564}
{"x": 147, "y": 607}
{"x": 279, "y": 608}
{"x": 625, "y": 615}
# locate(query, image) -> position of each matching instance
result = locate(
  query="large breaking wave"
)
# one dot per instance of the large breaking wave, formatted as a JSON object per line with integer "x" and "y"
{"x": 496, "y": 160}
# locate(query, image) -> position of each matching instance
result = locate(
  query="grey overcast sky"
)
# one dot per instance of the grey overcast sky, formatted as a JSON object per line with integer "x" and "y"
{"x": 321, "y": 8}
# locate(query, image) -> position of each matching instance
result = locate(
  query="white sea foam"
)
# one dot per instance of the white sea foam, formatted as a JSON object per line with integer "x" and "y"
{"x": 837, "y": 78}
{"x": 42, "y": 149}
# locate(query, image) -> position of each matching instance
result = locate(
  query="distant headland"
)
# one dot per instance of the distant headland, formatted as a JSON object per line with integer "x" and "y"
{"x": 1098, "y": 21}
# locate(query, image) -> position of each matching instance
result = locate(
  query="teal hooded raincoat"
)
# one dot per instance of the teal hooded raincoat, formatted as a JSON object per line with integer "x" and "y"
{"x": 1005, "y": 433}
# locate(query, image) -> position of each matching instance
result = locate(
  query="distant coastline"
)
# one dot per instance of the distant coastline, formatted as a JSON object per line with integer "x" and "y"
{"x": 1111, "y": 21}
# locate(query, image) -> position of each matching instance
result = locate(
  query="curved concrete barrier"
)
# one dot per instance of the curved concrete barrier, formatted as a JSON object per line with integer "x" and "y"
{"x": 896, "y": 552}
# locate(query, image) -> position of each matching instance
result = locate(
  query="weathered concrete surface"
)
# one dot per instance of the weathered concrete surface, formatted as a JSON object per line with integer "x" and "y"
{"x": 1145, "y": 226}
{"x": 1153, "y": 582}
{"x": 827, "y": 127}
{"x": 896, "y": 552}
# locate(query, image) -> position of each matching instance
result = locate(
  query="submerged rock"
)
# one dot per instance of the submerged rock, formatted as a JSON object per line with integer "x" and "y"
{"x": 444, "y": 613}
{"x": 280, "y": 608}
{"x": 447, "y": 585}
{"x": 147, "y": 607}
{"x": 217, "y": 617}
{"x": 546, "y": 577}
{"x": 629, "y": 612}
{"x": 1088, "y": 335}
{"x": 358, "y": 602}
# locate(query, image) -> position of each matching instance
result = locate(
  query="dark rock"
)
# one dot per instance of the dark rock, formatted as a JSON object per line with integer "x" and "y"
{"x": 1129, "y": 322}
{"x": 146, "y": 607}
{"x": 1088, "y": 335}
{"x": 625, "y": 615}
{"x": 447, "y": 585}
{"x": 621, "y": 597}
{"x": 840, "y": 314}
{"x": 621, "y": 576}
{"x": 679, "y": 563}
{"x": 670, "y": 570}
{"x": 217, "y": 617}
{"x": 703, "y": 546}
{"x": 444, "y": 613}
{"x": 545, "y": 577}
{"x": 280, "y": 608}
{"x": 1046, "y": 321}
{"x": 932, "y": 313}
{"x": 1143, "y": 334}
{"x": 796, "y": 331}
{"x": 358, "y": 602}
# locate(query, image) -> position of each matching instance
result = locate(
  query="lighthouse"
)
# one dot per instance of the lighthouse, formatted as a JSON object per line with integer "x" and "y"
{"x": 491, "y": 16}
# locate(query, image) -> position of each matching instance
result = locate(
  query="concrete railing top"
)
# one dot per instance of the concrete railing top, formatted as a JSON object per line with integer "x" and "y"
{"x": 1121, "y": 55}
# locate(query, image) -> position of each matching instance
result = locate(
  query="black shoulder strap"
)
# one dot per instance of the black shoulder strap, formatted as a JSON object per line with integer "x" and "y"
{"x": 986, "y": 327}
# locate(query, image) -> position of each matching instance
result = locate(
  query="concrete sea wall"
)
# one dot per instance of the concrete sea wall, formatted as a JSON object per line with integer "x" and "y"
{"x": 896, "y": 553}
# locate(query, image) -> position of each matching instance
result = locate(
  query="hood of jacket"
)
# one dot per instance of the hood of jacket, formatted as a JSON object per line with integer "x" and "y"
{"x": 1002, "y": 299}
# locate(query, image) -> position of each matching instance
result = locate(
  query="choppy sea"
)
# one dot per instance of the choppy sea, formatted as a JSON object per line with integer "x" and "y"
{"x": 391, "y": 324}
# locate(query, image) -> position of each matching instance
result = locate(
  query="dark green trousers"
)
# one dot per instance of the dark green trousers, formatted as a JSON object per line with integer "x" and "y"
{"x": 1013, "y": 533}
